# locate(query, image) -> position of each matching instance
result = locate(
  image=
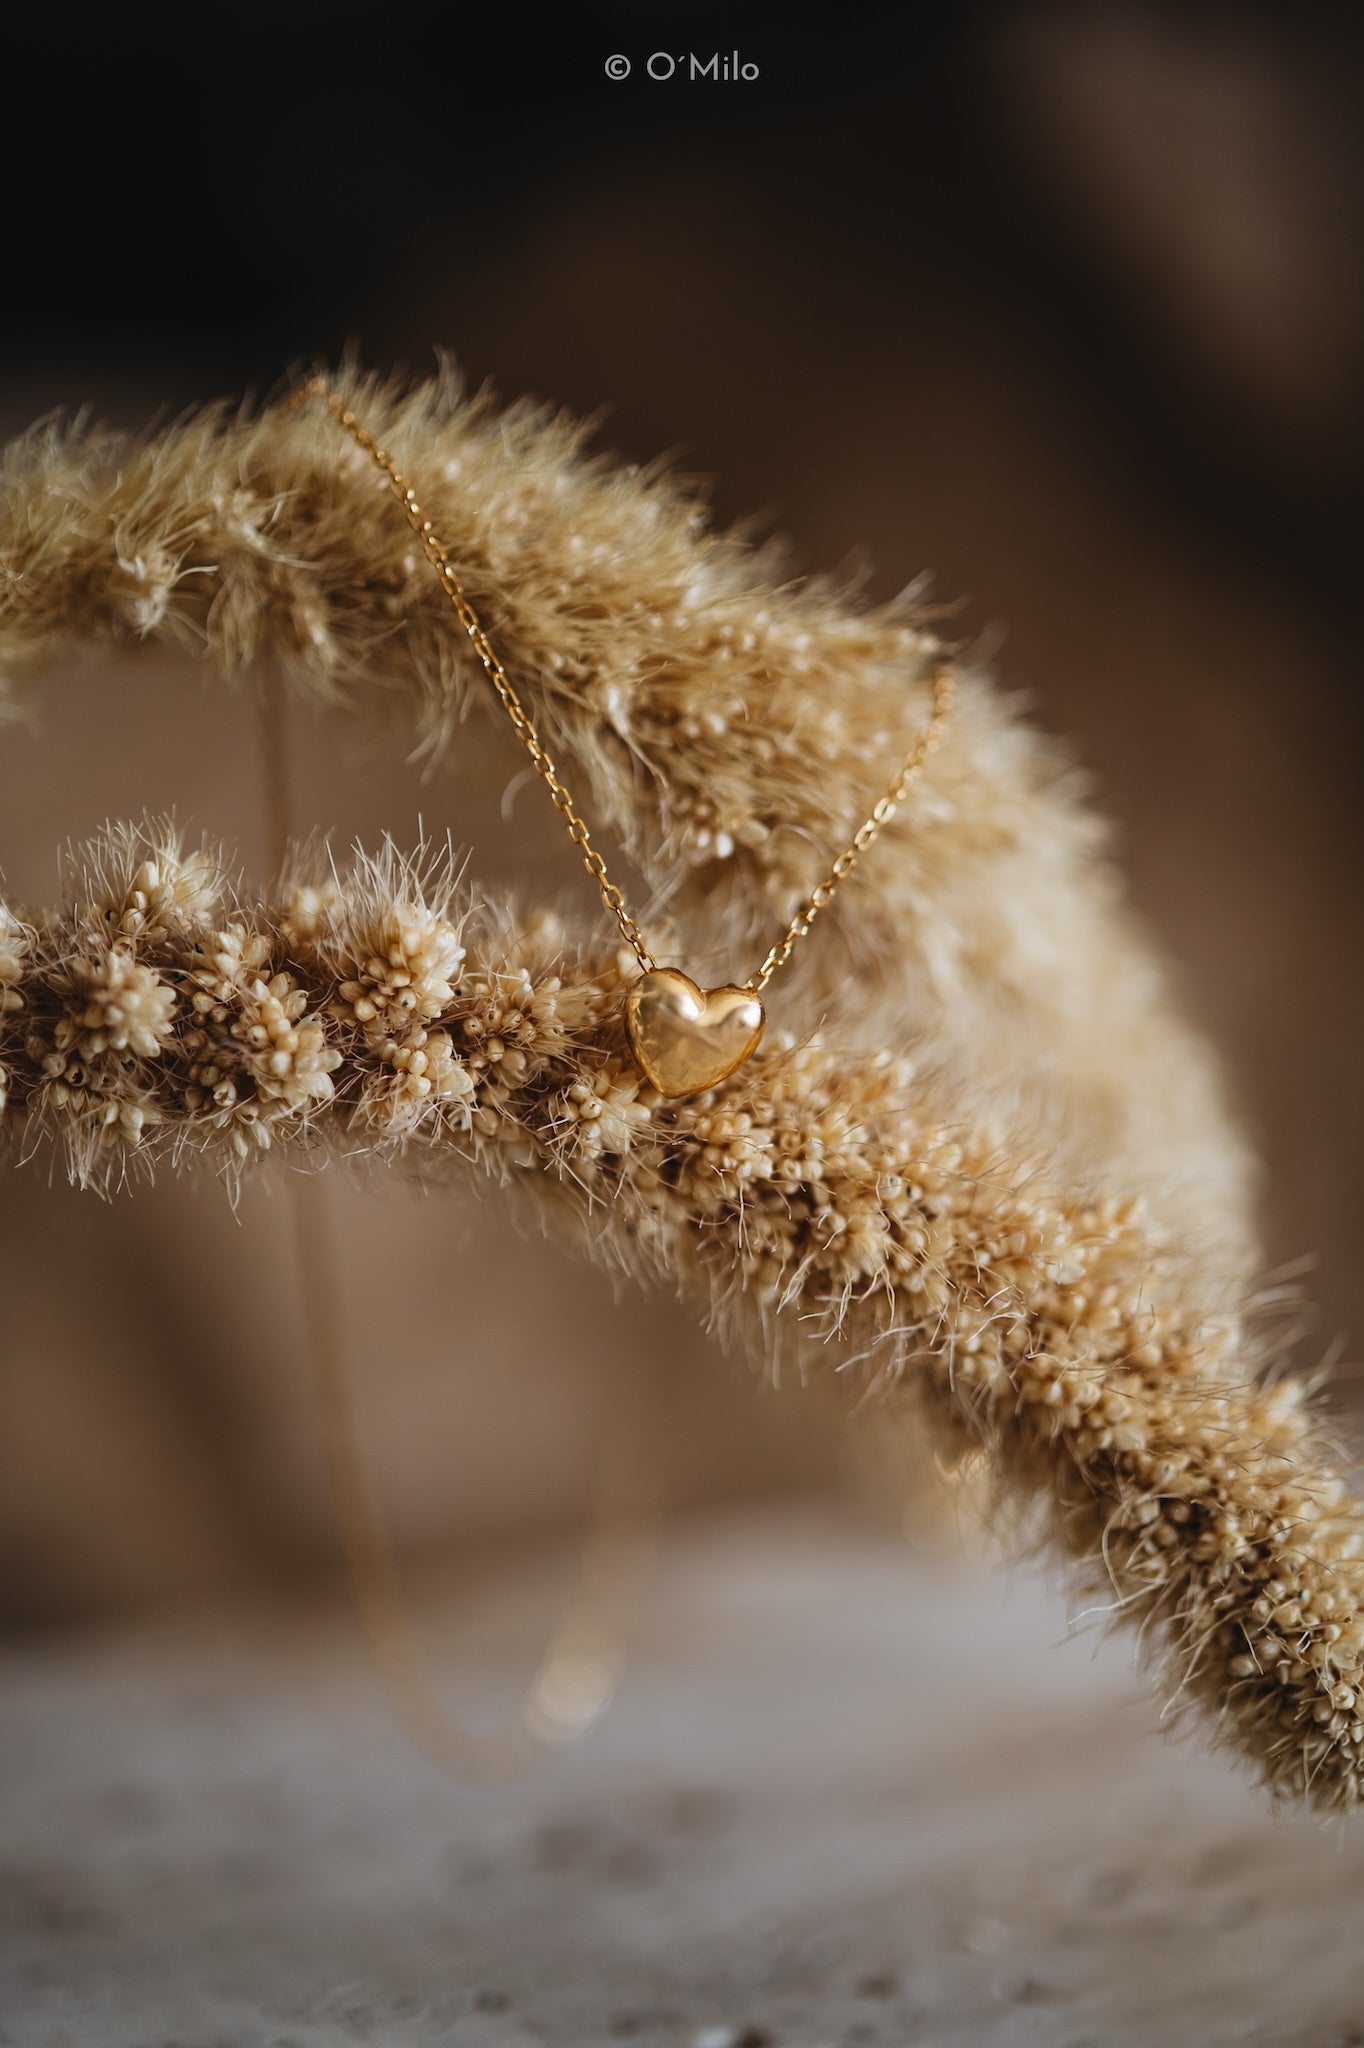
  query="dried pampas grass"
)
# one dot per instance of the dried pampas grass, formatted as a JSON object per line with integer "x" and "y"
{"x": 980, "y": 1164}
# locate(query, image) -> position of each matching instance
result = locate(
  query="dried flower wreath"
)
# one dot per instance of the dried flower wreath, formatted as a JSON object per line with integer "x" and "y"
{"x": 987, "y": 1172}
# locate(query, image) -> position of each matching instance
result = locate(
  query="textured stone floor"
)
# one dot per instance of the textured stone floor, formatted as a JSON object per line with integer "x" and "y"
{"x": 849, "y": 1794}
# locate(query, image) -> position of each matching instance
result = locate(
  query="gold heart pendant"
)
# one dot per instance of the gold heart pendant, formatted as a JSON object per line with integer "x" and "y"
{"x": 687, "y": 1038}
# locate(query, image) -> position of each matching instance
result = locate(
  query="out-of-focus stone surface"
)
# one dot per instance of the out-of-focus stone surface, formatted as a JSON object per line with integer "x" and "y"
{"x": 848, "y": 1794}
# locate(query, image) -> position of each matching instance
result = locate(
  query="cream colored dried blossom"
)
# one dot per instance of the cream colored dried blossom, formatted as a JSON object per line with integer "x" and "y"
{"x": 389, "y": 947}
{"x": 14, "y": 952}
{"x": 403, "y": 970}
{"x": 308, "y": 909}
{"x": 400, "y": 968}
{"x": 111, "y": 1004}
{"x": 293, "y": 1062}
{"x": 254, "y": 1056}
{"x": 511, "y": 1027}
{"x": 140, "y": 884}
{"x": 601, "y": 1114}
{"x": 98, "y": 1021}
{"x": 423, "y": 1072}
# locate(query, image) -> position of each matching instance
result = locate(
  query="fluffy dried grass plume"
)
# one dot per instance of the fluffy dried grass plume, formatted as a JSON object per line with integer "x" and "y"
{"x": 979, "y": 1164}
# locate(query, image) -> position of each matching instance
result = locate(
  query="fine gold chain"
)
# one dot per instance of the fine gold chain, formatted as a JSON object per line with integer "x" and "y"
{"x": 881, "y": 813}
{"x": 584, "y": 1659}
{"x": 925, "y": 744}
{"x": 433, "y": 549}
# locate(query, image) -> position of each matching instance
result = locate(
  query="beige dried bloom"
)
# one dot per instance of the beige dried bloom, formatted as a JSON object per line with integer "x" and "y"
{"x": 423, "y": 1072}
{"x": 400, "y": 968}
{"x": 599, "y": 1115}
{"x": 403, "y": 971}
{"x": 509, "y": 1030}
{"x": 14, "y": 951}
{"x": 140, "y": 885}
{"x": 97, "y": 1022}
{"x": 111, "y": 1004}
{"x": 389, "y": 945}
{"x": 307, "y": 909}
{"x": 255, "y": 1057}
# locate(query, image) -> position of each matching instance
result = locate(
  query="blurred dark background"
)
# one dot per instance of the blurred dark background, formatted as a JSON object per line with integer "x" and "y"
{"x": 1061, "y": 304}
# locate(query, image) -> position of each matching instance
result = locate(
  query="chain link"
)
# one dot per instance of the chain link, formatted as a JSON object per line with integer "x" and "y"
{"x": 522, "y": 722}
{"x": 925, "y": 745}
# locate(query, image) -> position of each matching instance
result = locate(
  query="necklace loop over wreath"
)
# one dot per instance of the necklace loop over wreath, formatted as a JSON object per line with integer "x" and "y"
{"x": 685, "y": 1038}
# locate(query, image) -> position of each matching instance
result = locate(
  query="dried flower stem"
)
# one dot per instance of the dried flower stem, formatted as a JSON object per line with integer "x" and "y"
{"x": 1038, "y": 1229}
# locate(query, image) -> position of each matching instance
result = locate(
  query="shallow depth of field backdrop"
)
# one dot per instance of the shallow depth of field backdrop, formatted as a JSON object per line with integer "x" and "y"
{"x": 1059, "y": 304}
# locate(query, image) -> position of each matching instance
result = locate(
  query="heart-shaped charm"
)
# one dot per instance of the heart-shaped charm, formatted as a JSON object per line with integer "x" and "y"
{"x": 687, "y": 1038}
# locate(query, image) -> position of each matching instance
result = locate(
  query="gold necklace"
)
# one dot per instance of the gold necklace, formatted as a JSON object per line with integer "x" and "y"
{"x": 684, "y": 1037}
